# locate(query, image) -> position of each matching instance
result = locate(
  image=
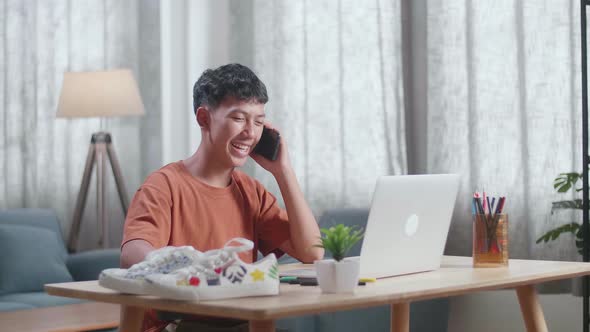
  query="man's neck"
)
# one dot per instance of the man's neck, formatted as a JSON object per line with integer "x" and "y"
{"x": 201, "y": 167}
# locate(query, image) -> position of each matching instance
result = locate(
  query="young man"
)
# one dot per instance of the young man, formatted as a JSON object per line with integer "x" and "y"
{"x": 203, "y": 201}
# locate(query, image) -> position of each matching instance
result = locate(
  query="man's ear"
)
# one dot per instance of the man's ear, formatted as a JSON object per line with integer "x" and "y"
{"x": 203, "y": 117}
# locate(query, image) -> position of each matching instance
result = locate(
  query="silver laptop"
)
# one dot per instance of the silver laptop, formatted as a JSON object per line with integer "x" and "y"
{"x": 408, "y": 224}
{"x": 407, "y": 227}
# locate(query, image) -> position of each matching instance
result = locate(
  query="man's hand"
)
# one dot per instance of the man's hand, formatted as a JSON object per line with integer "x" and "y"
{"x": 281, "y": 164}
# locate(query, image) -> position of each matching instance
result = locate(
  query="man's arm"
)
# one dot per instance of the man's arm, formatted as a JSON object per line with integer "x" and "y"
{"x": 133, "y": 252}
{"x": 303, "y": 227}
{"x": 302, "y": 224}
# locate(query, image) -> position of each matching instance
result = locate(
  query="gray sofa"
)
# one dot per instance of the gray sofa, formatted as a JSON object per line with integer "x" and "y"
{"x": 425, "y": 316}
{"x": 33, "y": 254}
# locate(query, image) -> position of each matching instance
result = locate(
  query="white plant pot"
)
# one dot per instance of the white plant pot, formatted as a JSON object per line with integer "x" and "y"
{"x": 337, "y": 277}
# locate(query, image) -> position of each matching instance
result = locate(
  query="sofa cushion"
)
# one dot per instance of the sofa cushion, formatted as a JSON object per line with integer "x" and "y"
{"x": 41, "y": 218}
{"x": 436, "y": 311}
{"x": 87, "y": 265}
{"x": 32, "y": 257}
{"x": 11, "y": 306}
{"x": 39, "y": 299}
{"x": 365, "y": 319}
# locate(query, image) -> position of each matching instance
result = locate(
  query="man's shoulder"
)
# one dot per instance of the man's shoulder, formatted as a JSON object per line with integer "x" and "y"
{"x": 242, "y": 177}
{"x": 167, "y": 175}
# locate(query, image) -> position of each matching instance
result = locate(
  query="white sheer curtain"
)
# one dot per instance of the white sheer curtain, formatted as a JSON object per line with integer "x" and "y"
{"x": 498, "y": 104}
{"x": 333, "y": 70}
{"x": 501, "y": 99}
{"x": 504, "y": 111}
{"x": 41, "y": 157}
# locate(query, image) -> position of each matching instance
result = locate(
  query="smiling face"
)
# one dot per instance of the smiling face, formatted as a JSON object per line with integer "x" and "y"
{"x": 231, "y": 131}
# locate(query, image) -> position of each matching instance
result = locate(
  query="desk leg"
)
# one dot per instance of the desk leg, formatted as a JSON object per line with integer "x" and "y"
{"x": 400, "y": 317}
{"x": 262, "y": 326}
{"x": 131, "y": 319}
{"x": 532, "y": 313}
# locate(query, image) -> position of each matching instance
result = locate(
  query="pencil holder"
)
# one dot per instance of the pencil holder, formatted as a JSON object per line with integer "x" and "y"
{"x": 490, "y": 240}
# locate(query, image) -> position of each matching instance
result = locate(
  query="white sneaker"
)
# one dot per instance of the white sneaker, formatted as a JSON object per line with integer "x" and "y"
{"x": 219, "y": 274}
{"x": 163, "y": 260}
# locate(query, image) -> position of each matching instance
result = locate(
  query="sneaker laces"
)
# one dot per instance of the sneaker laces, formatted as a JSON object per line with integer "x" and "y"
{"x": 213, "y": 261}
{"x": 225, "y": 256}
{"x": 195, "y": 270}
{"x": 158, "y": 258}
{"x": 245, "y": 245}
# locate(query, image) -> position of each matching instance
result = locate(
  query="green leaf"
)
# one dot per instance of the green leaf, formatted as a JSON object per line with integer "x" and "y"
{"x": 580, "y": 233}
{"x": 571, "y": 204}
{"x": 565, "y": 181}
{"x": 339, "y": 239}
{"x": 556, "y": 232}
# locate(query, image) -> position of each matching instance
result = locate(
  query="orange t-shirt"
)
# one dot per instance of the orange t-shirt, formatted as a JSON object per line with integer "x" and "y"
{"x": 173, "y": 208}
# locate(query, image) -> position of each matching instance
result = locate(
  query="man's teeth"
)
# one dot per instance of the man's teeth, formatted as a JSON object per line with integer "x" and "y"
{"x": 241, "y": 146}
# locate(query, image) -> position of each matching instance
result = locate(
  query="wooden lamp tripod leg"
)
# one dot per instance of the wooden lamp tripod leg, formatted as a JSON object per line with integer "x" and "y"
{"x": 81, "y": 200}
{"x": 100, "y": 149}
{"x": 101, "y": 202}
{"x": 118, "y": 177}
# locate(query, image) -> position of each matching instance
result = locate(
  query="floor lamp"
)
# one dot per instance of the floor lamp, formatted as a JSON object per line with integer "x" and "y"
{"x": 98, "y": 94}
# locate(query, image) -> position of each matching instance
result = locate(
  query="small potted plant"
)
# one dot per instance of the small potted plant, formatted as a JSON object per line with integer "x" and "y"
{"x": 338, "y": 275}
{"x": 563, "y": 184}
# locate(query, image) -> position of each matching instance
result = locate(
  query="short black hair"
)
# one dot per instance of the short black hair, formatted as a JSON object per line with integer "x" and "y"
{"x": 232, "y": 80}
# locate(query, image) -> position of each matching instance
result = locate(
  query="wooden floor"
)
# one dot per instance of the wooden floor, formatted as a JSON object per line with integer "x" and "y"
{"x": 66, "y": 318}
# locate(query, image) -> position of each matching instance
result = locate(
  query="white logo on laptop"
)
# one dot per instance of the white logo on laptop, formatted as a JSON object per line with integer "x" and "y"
{"x": 411, "y": 225}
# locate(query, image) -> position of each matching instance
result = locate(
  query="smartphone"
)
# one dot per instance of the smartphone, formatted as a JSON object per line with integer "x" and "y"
{"x": 268, "y": 146}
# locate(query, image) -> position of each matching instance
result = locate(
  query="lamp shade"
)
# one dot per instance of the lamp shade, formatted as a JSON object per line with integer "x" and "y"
{"x": 99, "y": 94}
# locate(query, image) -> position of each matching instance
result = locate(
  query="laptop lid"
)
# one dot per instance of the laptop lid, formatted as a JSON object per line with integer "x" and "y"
{"x": 408, "y": 224}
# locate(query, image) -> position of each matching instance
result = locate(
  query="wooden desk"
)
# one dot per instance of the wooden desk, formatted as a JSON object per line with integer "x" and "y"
{"x": 455, "y": 277}
{"x": 67, "y": 318}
